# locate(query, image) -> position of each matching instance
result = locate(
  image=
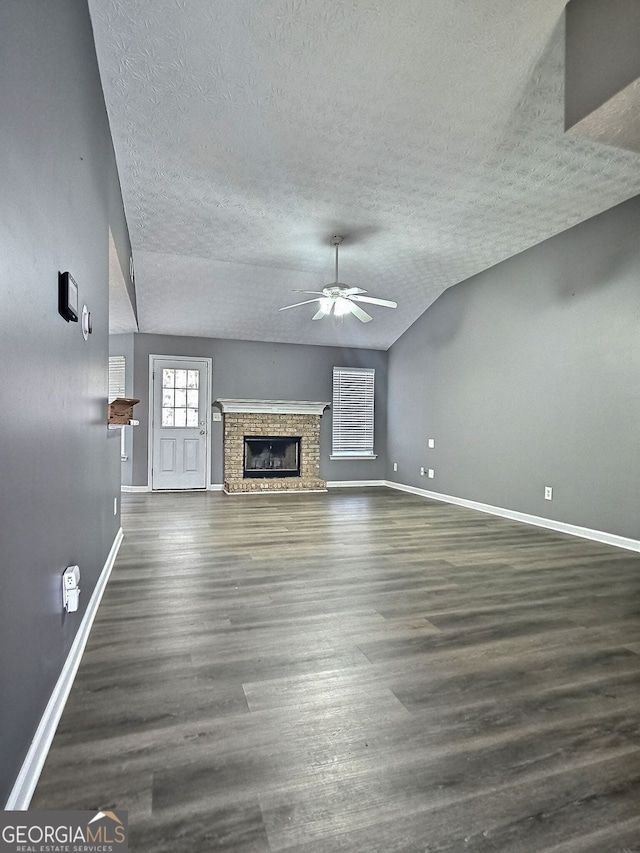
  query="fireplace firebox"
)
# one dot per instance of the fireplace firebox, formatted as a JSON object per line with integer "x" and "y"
{"x": 271, "y": 456}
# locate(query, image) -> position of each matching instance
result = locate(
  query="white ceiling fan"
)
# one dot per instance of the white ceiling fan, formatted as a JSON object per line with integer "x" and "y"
{"x": 339, "y": 298}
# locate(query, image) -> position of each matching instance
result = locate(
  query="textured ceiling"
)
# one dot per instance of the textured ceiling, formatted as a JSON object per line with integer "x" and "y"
{"x": 430, "y": 133}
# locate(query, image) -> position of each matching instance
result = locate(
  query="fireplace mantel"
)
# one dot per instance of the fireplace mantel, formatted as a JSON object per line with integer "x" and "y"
{"x": 272, "y": 407}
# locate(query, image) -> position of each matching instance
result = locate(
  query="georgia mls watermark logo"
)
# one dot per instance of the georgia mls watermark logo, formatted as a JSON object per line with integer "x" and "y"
{"x": 64, "y": 832}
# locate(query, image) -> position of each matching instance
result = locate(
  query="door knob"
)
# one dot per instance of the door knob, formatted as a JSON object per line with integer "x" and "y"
{"x": 201, "y": 432}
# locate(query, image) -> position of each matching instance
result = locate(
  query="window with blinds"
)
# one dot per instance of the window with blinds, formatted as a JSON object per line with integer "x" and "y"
{"x": 116, "y": 377}
{"x": 116, "y": 389}
{"x": 353, "y": 405}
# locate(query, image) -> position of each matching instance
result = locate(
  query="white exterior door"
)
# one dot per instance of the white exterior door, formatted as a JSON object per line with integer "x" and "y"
{"x": 180, "y": 422}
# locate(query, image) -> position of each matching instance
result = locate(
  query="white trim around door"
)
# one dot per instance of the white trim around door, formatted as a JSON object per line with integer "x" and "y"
{"x": 154, "y": 359}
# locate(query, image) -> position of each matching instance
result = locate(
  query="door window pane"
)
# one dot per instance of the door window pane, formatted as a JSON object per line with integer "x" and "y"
{"x": 180, "y": 407}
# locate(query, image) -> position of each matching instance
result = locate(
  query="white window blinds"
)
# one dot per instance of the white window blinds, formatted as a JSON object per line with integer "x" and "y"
{"x": 353, "y": 404}
{"x": 116, "y": 377}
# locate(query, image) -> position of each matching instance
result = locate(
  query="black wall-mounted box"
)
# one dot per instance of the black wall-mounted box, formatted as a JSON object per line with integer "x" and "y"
{"x": 67, "y": 297}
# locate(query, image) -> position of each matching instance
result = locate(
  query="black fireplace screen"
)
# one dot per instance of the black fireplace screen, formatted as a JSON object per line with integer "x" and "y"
{"x": 271, "y": 456}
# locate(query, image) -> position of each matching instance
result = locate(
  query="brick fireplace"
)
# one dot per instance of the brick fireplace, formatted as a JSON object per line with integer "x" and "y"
{"x": 264, "y": 425}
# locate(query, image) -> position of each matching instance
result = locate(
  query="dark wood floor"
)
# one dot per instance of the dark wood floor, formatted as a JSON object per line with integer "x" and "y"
{"x": 363, "y": 671}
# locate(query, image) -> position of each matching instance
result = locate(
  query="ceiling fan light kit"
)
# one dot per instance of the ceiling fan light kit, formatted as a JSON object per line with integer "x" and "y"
{"x": 340, "y": 299}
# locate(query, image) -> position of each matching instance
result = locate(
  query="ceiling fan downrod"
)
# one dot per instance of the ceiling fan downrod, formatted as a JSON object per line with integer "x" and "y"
{"x": 335, "y": 241}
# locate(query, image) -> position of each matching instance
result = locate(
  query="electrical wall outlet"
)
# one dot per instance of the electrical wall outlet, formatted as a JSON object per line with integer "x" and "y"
{"x": 432, "y": 443}
{"x": 548, "y": 493}
{"x": 71, "y": 588}
{"x": 431, "y": 473}
{"x": 422, "y": 472}
{"x": 395, "y": 466}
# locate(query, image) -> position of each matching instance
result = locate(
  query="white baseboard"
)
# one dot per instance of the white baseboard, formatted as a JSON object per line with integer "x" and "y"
{"x": 347, "y": 484}
{"x": 525, "y": 518}
{"x": 25, "y": 784}
{"x": 212, "y": 487}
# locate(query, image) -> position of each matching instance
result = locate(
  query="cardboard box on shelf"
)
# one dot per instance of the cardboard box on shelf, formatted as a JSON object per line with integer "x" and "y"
{"x": 121, "y": 410}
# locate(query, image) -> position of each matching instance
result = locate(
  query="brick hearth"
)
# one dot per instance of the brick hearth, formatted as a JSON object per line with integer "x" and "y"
{"x": 238, "y": 424}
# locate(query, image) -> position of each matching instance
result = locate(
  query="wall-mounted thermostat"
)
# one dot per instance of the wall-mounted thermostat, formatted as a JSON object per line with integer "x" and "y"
{"x": 71, "y": 588}
{"x": 67, "y": 297}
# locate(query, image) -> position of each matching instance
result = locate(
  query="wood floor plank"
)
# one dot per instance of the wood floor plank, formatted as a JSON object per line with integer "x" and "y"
{"x": 362, "y": 670}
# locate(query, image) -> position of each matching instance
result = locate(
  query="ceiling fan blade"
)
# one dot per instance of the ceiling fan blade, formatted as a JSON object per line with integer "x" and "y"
{"x": 319, "y": 292}
{"x": 306, "y": 302}
{"x": 350, "y": 291}
{"x": 359, "y": 313}
{"x": 386, "y": 302}
{"x": 326, "y": 307}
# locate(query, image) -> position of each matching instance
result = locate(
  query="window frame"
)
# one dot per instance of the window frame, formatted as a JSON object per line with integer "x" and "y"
{"x": 361, "y": 430}
{"x": 117, "y": 382}
{"x": 117, "y": 377}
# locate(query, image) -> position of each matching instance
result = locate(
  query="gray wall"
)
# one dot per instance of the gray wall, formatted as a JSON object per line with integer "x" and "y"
{"x": 251, "y": 369}
{"x": 59, "y": 470}
{"x": 529, "y": 375}
{"x": 602, "y": 55}
{"x": 120, "y": 233}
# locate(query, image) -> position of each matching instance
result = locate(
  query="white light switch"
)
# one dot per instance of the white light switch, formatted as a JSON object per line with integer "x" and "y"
{"x": 216, "y": 416}
{"x": 395, "y": 466}
{"x": 431, "y": 473}
{"x": 432, "y": 443}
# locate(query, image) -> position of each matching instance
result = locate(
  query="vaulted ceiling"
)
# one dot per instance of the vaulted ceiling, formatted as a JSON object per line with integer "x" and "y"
{"x": 429, "y": 133}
